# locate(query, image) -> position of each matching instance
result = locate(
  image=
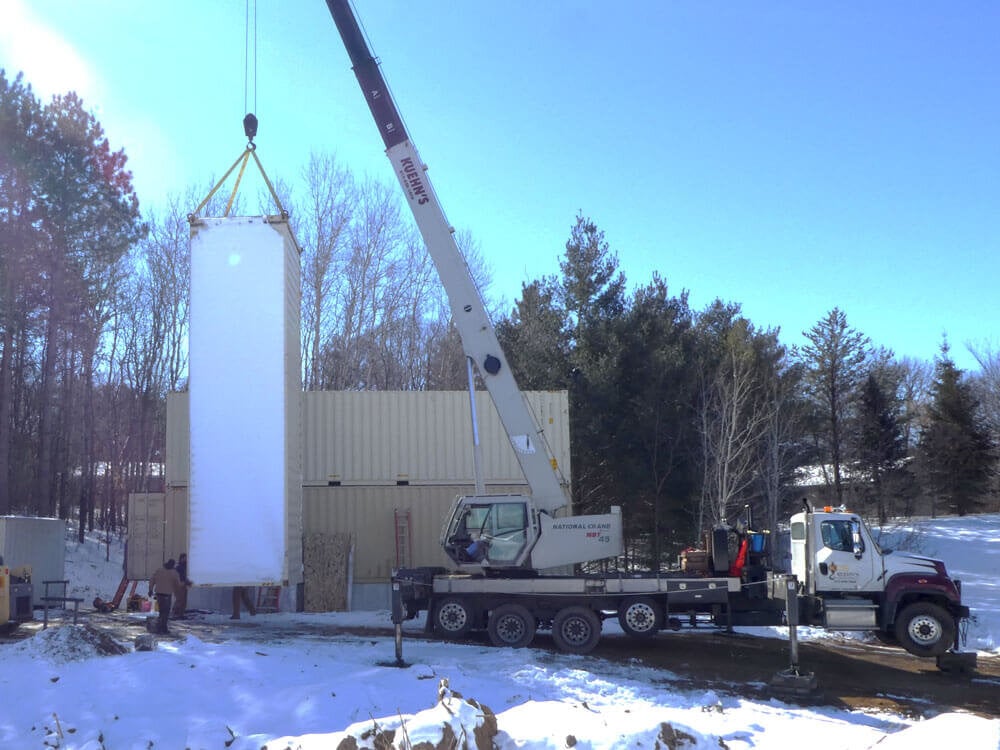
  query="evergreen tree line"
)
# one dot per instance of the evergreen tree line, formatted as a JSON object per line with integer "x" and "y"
{"x": 682, "y": 417}
{"x": 687, "y": 417}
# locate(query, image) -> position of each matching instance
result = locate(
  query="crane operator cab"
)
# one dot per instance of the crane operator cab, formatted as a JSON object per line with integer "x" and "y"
{"x": 506, "y": 532}
{"x": 489, "y": 531}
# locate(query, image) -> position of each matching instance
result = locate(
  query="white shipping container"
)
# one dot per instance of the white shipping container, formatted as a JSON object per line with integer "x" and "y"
{"x": 40, "y": 543}
{"x": 245, "y": 402}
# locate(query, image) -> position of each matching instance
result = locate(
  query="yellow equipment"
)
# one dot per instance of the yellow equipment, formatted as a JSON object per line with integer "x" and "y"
{"x": 15, "y": 594}
{"x": 4, "y": 594}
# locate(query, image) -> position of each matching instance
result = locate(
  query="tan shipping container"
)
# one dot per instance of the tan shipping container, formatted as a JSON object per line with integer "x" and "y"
{"x": 387, "y": 437}
{"x": 384, "y": 468}
{"x": 157, "y": 531}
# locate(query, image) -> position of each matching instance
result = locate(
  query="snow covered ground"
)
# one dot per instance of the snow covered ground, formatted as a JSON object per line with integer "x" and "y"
{"x": 59, "y": 688}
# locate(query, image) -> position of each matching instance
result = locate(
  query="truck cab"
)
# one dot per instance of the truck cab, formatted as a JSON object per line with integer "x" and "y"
{"x": 848, "y": 582}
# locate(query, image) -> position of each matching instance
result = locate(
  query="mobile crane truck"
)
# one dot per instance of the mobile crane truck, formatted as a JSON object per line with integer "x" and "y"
{"x": 510, "y": 552}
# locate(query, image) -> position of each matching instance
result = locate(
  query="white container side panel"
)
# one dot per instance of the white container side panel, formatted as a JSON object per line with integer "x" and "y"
{"x": 294, "y": 429}
{"x": 38, "y": 542}
{"x": 369, "y": 514}
{"x": 240, "y": 423}
{"x": 424, "y": 437}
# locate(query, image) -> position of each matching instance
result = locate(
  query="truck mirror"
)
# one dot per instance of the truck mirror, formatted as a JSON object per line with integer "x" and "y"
{"x": 858, "y": 543}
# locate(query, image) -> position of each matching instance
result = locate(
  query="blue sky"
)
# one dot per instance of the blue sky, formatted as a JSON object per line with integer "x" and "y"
{"x": 791, "y": 157}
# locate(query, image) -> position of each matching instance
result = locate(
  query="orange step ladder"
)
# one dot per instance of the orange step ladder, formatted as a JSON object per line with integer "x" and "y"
{"x": 268, "y": 598}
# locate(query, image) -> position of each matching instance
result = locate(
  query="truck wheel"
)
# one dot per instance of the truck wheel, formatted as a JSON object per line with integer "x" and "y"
{"x": 452, "y": 618}
{"x": 641, "y": 617}
{"x": 511, "y": 625}
{"x": 925, "y": 629}
{"x": 576, "y": 630}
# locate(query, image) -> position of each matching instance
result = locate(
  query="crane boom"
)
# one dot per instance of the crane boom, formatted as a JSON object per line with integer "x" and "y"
{"x": 467, "y": 309}
{"x": 493, "y": 533}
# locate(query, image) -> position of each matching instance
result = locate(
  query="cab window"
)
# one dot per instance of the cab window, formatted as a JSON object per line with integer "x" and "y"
{"x": 837, "y": 535}
{"x": 507, "y": 532}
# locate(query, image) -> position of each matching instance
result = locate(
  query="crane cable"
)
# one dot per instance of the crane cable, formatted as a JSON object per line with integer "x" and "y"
{"x": 247, "y": 57}
{"x": 249, "y": 123}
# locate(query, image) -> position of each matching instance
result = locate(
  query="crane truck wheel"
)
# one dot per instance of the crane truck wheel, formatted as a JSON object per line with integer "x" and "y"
{"x": 925, "y": 629}
{"x": 641, "y": 617}
{"x": 452, "y": 618}
{"x": 576, "y": 630}
{"x": 511, "y": 625}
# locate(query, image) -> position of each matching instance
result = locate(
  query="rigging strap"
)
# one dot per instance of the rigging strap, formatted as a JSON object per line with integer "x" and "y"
{"x": 241, "y": 162}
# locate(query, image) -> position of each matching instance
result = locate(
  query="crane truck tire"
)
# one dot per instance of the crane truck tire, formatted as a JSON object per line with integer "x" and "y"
{"x": 511, "y": 625}
{"x": 576, "y": 630}
{"x": 640, "y": 617}
{"x": 925, "y": 629}
{"x": 452, "y": 618}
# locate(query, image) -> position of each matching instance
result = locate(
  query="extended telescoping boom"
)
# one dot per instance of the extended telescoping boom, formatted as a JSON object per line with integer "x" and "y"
{"x": 483, "y": 532}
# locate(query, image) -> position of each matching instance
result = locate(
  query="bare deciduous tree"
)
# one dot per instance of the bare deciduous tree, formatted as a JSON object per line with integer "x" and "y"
{"x": 320, "y": 225}
{"x": 733, "y": 420}
{"x": 780, "y": 444}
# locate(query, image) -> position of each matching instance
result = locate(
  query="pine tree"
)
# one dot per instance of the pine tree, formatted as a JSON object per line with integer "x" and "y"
{"x": 534, "y": 339}
{"x": 957, "y": 454}
{"x": 881, "y": 446}
{"x": 834, "y": 360}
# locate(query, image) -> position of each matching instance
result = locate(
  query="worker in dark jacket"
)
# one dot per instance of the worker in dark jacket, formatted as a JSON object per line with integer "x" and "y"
{"x": 164, "y": 583}
{"x": 180, "y": 604}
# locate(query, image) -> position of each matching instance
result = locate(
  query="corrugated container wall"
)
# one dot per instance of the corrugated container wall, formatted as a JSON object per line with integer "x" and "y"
{"x": 157, "y": 531}
{"x": 420, "y": 437}
{"x": 373, "y": 437}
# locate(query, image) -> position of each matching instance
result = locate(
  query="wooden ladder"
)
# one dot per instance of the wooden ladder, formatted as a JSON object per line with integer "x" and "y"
{"x": 403, "y": 541}
{"x": 268, "y": 598}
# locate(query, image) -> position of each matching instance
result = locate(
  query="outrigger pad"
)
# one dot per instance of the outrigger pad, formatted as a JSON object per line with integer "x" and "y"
{"x": 958, "y": 662}
{"x": 794, "y": 682}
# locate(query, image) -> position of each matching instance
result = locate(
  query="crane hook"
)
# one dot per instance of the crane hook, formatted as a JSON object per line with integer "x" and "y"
{"x": 250, "y": 129}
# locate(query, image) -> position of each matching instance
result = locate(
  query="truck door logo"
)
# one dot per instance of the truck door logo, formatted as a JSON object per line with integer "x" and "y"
{"x": 842, "y": 573}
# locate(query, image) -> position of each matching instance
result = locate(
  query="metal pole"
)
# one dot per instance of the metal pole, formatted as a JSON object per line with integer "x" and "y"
{"x": 792, "y": 614}
{"x": 477, "y": 453}
{"x": 397, "y": 619}
{"x": 792, "y": 681}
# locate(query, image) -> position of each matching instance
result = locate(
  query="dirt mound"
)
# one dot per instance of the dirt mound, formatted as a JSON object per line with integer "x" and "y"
{"x": 72, "y": 643}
